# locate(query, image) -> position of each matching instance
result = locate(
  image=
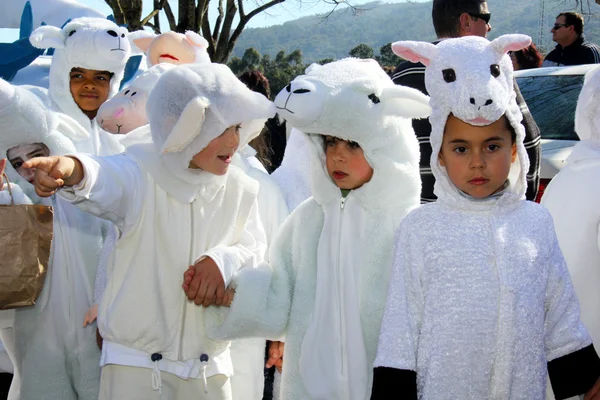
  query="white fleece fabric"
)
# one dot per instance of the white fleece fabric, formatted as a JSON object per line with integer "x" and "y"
{"x": 331, "y": 259}
{"x": 55, "y": 356}
{"x": 90, "y": 43}
{"x": 480, "y": 297}
{"x": 170, "y": 216}
{"x": 571, "y": 199}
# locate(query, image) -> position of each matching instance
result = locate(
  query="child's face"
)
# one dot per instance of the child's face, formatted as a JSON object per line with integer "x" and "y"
{"x": 477, "y": 158}
{"x": 346, "y": 163}
{"x": 216, "y": 157}
{"x": 89, "y": 89}
{"x": 19, "y": 154}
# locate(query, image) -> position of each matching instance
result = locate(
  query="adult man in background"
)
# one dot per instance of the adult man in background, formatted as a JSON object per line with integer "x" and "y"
{"x": 452, "y": 19}
{"x": 572, "y": 48}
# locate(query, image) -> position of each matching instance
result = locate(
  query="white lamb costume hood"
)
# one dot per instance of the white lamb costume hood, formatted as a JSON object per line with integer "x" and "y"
{"x": 511, "y": 308}
{"x": 90, "y": 43}
{"x": 51, "y": 330}
{"x": 332, "y": 256}
{"x": 572, "y": 197}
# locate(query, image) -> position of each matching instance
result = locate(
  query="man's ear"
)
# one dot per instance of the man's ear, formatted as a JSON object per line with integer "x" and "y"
{"x": 465, "y": 22}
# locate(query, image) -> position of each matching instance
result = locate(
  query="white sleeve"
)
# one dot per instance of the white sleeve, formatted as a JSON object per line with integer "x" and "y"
{"x": 263, "y": 295}
{"x": 565, "y": 333}
{"x": 398, "y": 337}
{"x": 248, "y": 251}
{"x": 112, "y": 188}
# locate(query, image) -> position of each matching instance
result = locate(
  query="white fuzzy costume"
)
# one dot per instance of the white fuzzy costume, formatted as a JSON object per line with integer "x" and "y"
{"x": 331, "y": 259}
{"x": 56, "y": 357}
{"x": 293, "y": 175}
{"x": 169, "y": 216}
{"x": 480, "y": 300}
{"x": 90, "y": 43}
{"x": 572, "y": 198}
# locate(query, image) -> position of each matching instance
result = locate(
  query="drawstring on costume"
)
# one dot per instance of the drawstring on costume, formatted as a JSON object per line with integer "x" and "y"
{"x": 156, "y": 377}
{"x": 204, "y": 362}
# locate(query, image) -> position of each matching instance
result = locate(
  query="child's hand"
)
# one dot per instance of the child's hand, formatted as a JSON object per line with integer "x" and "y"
{"x": 90, "y": 315}
{"x": 594, "y": 392}
{"x": 205, "y": 285}
{"x": 228, "y": 297}
{"x": 2, "y": 166}
{"x": 275, "y": 355}
{"x": 51, "y": 173}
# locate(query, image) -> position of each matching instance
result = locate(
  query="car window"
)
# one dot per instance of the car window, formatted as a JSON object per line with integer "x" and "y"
{"x": 552, "y": 101}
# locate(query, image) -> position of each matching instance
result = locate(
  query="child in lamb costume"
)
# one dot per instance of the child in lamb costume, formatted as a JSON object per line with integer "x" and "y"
{"x": 572, "y": 199}
{"x": 480, "y": 305}
{"x": 87, "y": 68}
{"x": 176, "y": 202}
{"x": 331, "y": 259}
{"x": 54, "y": 355}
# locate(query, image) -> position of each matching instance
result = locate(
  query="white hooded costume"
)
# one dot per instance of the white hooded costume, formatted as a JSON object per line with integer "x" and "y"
{"x": 90, "y": 43}
{"x": 56, "y": 357}
{"x": 169, "y": 216}
{"x": 331, "y": 259}
{"x": 480, "y": 304}
{"x": 571, "y": 197}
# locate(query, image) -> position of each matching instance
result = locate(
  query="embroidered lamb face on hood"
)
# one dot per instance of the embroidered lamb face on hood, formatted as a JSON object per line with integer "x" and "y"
{"x": 587, "y": 114}
{"x": 25, "y": 119}
{"x": 472, "y": 78}
{"x": 355, "y": 100}
{"x": 90, "y": 43}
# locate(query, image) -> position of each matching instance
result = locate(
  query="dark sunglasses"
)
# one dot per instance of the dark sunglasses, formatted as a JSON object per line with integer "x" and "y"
{"x": 558, "y": 26}
{"x": 485, "y": 17}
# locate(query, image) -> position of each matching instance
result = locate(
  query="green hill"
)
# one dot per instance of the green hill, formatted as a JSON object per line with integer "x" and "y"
{"x": 378, "y": 24}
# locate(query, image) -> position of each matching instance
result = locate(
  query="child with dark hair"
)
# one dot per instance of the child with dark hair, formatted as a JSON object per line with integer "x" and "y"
{"x": 526, "y": 58}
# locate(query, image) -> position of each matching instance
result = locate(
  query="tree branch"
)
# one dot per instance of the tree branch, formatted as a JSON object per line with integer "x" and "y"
{"x": 170, "y": 16}
{"x": 149, "y": 17}
{"x": 261, "y": 9}
{"x": 154, "y": 27}
{"x": 217, "y": 26}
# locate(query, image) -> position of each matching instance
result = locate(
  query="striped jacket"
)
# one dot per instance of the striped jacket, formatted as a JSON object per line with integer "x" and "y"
{"x": 413, "y": 75}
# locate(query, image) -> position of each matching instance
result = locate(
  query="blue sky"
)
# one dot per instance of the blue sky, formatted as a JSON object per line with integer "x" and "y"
{"x": 286, "y": 11}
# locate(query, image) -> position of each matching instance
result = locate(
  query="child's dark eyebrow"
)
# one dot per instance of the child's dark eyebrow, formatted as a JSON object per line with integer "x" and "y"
{"x": 76, "y": 69}
{"x": 33, "y": 152}
{"x": 494, "y": 139}
{"x": 458, "y": 141}
{"x": 13, "y": 160}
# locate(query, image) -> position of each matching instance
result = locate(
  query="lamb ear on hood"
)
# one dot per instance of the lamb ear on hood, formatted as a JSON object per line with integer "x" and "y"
{"x": 140, "y": 41}
{"x": 47, "y": 36}
{"x": 414, "y": 51}
{"x": 188, "y": 125}
{"x": 512, "y": 42}
{"x": 405, "y": 102}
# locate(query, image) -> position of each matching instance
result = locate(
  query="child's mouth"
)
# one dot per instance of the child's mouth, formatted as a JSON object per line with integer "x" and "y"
{"x": 225, "y": 159}
{"x": 169, "y": 56}
{"x": 479, "y": 181}
{"x": 337, "y": 175}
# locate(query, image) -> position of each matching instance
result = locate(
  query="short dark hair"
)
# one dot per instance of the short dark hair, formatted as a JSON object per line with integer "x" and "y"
{"x": 256, "y": 82}
{"x": 446, "y": 15}
{"x": 573, "y": 19}
{"x": 529, "y": 57}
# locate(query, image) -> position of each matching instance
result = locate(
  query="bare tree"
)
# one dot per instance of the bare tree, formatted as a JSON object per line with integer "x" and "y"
{"x": 221, "y": 34}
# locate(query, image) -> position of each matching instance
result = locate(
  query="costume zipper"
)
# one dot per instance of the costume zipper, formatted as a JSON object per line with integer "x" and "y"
{"x": 337, "y": 269}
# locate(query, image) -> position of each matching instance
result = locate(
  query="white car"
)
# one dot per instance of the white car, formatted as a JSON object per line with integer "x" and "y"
{"x": 551, "y": 95}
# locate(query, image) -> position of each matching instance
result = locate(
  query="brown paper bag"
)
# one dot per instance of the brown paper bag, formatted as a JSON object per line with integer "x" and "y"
{"x": 25, "y": 240}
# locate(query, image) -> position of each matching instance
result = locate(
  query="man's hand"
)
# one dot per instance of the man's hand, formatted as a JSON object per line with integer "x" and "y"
{"x": 2, "y": 166}
{"x": 52, "y": 173}
{"x": 594, "y": 392}
{"x": 204, "y": 284}
{"x": 275, "y": 355}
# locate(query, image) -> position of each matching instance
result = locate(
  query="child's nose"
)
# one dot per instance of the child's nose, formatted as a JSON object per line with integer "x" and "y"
{"x": 477, "y": 161}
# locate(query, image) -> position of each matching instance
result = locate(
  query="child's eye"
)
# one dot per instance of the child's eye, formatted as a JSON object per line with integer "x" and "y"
{"x": 353, "y": 145}
{"x": 76, "y": 76}
{"x": 17, "y": 164}
{"x": 460, "y": 150}
{"x": 493, "y": 147}
{"x": 37, "y": 155}
{"x": 102, "y": 78}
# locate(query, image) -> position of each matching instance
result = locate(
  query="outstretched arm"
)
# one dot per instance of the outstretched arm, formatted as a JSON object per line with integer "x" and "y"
{"x": 52, "y": 173}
